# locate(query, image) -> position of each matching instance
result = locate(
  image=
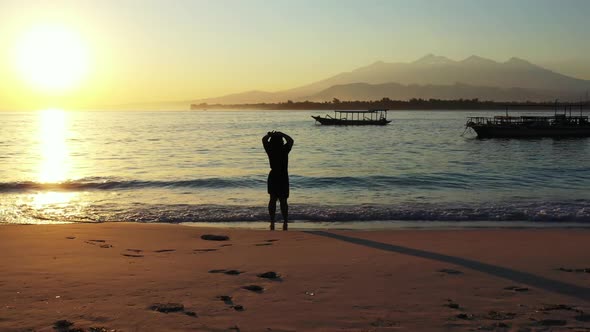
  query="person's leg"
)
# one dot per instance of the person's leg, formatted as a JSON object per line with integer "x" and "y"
{"x": 272, "y": 209}
{"x": 284, "y": 212}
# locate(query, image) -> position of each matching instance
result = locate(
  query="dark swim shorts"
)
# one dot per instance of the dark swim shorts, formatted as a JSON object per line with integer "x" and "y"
{"x": 278, "y": 184}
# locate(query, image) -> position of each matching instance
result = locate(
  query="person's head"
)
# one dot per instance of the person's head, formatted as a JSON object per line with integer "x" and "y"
{"x": 276, "y": 142}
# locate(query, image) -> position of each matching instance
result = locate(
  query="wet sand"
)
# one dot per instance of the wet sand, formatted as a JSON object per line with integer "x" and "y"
{"x": 141, "y": 277}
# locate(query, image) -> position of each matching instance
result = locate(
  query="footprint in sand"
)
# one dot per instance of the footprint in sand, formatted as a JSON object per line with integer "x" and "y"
{"x": 70, "y": 237}
{"x": 452, "y": 304}
{"x": 465, "y": 316}
{"x": 164, "y": 250}
{"x": 100, "y": 243}
{"x": 62, "y": 325}
{"x": 217, "y": 271}
{"x": 228, "y": 272}
{"x": 270, "y": 275}
{"x": 167, "y": 307}
{"x": 500, "y": 315}
{"x": 132, "y": 255}
{"x": 213, "y": 237}
{"x": 517, "y": 288}
{"x": 171, "y": 307}
{"x": 203, "y": 250}
{"x": 226, "y": 299}
{"x": 552, "y": 307}
{"x": 254, "y": 288}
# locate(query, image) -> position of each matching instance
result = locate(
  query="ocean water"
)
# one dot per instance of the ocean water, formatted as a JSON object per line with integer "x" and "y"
{"x": 209, "y": 166}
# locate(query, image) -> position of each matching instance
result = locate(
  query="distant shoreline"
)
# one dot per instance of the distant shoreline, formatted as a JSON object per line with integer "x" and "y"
{"x": 407, "y": 105}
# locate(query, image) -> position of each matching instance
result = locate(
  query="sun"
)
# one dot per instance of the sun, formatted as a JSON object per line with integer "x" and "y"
{"x": 51, "y": 58}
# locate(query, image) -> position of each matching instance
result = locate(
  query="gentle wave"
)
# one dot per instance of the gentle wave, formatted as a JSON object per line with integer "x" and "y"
{"x": 114, "y": 184}
{"x": 410, "y": 181}
{"x": 577, "y": 211}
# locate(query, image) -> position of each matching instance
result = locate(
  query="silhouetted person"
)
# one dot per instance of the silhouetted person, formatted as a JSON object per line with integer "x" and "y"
{"x": 278, "y": 178}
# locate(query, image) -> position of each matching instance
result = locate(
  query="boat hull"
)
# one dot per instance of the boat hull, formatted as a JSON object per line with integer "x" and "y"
{"x": 340, "y": 122}
{"x": 484, "y": 131}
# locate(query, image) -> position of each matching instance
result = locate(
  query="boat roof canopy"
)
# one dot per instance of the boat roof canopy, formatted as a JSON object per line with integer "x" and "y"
{"x": 548, "y": 105}
{"x": 369, "y": 111}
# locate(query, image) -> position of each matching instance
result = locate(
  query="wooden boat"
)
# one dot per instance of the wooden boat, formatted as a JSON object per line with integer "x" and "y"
{"x": 354, "y": 118}
{"x": 560, "y": 124}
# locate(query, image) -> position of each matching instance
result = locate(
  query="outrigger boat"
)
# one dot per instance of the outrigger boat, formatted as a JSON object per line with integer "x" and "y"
{"x": 560, "y": 124}
{"x": 354, "y": 118}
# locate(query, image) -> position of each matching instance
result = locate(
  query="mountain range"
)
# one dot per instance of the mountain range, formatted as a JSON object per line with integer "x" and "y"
{"x": 431, "y": 76}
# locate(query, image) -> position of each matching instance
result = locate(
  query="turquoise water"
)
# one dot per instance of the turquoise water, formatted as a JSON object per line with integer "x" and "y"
{"x": 210, "y": 167}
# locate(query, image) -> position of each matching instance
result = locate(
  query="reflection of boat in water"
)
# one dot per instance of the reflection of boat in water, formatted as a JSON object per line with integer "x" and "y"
{"x": 560, "y": 124}
{"x": 354, "y": 118}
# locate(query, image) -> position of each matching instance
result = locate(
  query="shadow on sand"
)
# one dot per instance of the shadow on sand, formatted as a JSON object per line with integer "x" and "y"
{"x": 532, "y": 280}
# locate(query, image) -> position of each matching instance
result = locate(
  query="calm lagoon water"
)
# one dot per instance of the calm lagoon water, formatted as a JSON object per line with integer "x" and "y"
{"x": 209, "y": 166}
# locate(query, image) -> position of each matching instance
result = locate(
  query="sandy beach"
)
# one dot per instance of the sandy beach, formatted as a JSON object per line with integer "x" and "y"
{"x": 121, "y": 276}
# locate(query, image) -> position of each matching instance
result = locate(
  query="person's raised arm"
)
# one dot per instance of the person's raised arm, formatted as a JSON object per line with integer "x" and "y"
{"x": 265, "y": 140}
{"x": 288, "y": 139}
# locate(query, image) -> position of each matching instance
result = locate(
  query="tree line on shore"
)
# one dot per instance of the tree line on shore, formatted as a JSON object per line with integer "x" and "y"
{"x": 385, "y": 103}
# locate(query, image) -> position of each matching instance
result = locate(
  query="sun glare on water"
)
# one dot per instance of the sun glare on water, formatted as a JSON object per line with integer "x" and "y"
{"x": 52, "y": 59}
{"x": 54, "y": 164}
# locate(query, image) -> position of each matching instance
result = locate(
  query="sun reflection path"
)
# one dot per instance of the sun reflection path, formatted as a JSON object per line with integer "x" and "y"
{"x": 41, "y": 200}
{"x": 54, "y": 165}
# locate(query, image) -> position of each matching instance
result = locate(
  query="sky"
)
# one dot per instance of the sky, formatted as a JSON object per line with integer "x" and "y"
{"x": 151, "y": 50}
